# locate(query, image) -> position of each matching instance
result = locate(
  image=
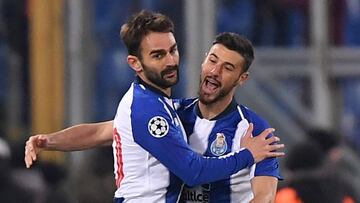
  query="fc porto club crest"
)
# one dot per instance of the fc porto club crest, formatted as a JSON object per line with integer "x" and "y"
{"x": 219, "y": 146}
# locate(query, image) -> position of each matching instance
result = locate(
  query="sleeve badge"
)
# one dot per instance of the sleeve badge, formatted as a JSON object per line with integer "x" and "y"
{"x": 158, "y": 126}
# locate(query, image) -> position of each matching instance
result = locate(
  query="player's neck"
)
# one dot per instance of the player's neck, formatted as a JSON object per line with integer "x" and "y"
{"x": 166, "y": 91}
{"x": 210, "y": 111}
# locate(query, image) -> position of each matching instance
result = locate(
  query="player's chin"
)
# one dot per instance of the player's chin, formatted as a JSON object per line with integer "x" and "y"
{"x": 207, "y": 98}
{"x": 172, "y": 80}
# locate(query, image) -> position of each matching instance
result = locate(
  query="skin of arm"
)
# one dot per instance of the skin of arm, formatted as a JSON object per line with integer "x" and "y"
{"x": 264, "y": 189}
{"x": 78, "y": 137}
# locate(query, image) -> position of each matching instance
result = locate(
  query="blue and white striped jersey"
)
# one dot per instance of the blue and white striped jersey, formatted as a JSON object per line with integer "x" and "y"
{"x": 151, "y": 154}
{"x": 218, "y": 137}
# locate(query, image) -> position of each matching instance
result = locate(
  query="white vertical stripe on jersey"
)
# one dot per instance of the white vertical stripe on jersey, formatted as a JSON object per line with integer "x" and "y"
{"x": 199, "y": 139}
{"x": 239, "y": 182}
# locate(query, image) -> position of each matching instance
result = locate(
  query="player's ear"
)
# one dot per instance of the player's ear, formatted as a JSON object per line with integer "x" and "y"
{"x": 243, "y": 78}
{"x": 134, "y": 63}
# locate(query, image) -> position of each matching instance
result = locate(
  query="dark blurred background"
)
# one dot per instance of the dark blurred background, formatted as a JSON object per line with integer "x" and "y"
{"x": 62, "y": 63}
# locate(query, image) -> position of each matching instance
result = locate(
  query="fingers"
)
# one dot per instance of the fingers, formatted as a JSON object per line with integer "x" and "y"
{"x": 275, "y": 154}
{"x": 28, "y": 151}
{"x": 266, "y": 132}
{"x": 274, "y": 147}
{"x": 30, "y": 155}
{"x": 28, "y": 161}
{"x": 272, "y": 140}
{"x": 249, "y": 130}
{"x": 32, "y": 148}
{"x": 271, "y": 144}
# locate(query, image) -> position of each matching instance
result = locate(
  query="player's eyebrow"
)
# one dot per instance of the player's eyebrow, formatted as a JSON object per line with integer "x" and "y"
{"x": 162, "y": 51}
{"x": 226, "y": 62}
{"x": 214, "y": 55}
{"x": 157, "y": 51}
{"x": 173, "y": 46}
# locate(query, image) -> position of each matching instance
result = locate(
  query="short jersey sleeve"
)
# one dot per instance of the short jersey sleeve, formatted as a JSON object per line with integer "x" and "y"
{"x": 268, "y": 166}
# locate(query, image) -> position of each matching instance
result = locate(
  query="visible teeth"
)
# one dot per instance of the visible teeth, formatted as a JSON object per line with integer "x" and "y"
{"x": 211, "y": 85}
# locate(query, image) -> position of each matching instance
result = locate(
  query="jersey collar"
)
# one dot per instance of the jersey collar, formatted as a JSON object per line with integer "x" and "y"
{"x": 229, "y": 109}
{"x": 138, "y": 80}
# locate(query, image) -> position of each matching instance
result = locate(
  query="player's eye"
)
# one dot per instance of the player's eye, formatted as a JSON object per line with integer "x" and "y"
{"x": 157, "y": 56}
{"x": 229, "y": 67}
{"x": 212, "y": 60}
{"x": 173, "y": 50}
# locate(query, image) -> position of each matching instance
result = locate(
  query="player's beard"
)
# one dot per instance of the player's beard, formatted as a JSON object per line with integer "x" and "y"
{"x": 159, "y": 78}
{"x": 208, "y": 99}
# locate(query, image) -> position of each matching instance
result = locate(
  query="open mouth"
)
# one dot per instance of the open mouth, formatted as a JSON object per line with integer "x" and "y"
{"x": 170, "y": 73}
{"x": 210, "y": 85}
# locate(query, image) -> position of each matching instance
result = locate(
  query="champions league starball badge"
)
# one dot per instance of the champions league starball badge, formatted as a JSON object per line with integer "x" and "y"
{"x": 219, "y": 146}
{"x": 158, "y": 126}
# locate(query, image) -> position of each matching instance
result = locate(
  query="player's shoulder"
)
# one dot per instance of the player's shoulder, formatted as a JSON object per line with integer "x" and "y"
{"x": 146, "y": 102}
{"x": 259, "y": 122}
{"x": 142, "y": 92}
{"x": 140, "y": 97}
{"x": 249, "y": 113}
{"x": 146, "y": 95}
{"x": 184, "y": 103}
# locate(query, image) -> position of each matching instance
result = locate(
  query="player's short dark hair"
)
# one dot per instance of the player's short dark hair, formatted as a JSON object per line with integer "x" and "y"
{"x": 238, "y": 43}
{"x": 141, "y": 24}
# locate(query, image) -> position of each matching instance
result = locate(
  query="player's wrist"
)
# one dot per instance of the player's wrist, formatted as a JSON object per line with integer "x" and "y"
{"x": 246, "y": 158}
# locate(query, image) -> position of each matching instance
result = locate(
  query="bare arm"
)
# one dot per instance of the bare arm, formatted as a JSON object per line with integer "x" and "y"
{"x": 264, "y": 189}
{"x": 79, "y": 137}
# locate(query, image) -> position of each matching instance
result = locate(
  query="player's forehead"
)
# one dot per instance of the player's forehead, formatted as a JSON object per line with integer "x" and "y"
{"x": 226, "y": 55}
{"x": 157, "y": 41}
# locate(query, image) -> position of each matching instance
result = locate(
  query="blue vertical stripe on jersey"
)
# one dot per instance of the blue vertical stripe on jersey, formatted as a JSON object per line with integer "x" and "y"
{"x": 174, "y": 190}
